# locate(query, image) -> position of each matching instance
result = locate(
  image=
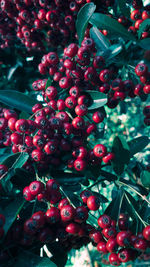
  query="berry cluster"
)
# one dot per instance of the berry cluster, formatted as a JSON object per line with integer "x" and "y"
{"x": 138, "y": 15}
{"x": 37, "y": 24}
{"x": 68, "y": 224}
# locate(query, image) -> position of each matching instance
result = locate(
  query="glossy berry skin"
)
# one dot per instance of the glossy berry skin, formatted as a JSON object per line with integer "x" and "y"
{"x": 108, "y": 158}
{"x": 98, "y": 117}
{"x": 39, "y": 219}
{"x": 80, "y": 152}
{"x": 11, "y": 124}
{"x": 100, "y": 150}
{"x": 111, "y": 244}
{"x": 141, "y": 69}
{"x": 135, "y": 15}
{"x": 93, "y": 203}
{"x": 101, "y": 247}
{"x": 27, "y": 194}
{"x": 146, "y": 89}
{"x": 81, "y": 110}
{"x": 104, "y": 221}
{"x": 3, "y": 123}
{"x": 67, "y": 213}
{"x": 125, "y": 255}
{"x": 78, "y": 123}
{"x": 123, "y": 224}
{"x": 51, "y": 92}
{"x": 146, "y": 233}
{"x": 109, "y": 232}
{"x": 63, "y": 202}
{"x": 72, "y": 228}
{"x": 52, "y": 215}
{"x": 21, "y": 126}
{"x": 84, "y": 195}
{"x": 114, "y": 260}
{"x": 81, "y": 214}
{"x": 80, "y": 164}
{"x": 123, "y": 238}
{"x": 37, "y": 155}
{"x": 95, "y": 236}
{"x": 105, "y": 75}
{"x": 140, "y": 244}
{"x": 36, "y": 187}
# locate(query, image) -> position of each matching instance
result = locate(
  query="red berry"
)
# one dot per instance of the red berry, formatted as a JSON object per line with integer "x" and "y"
{"x": 108, "y": 158}
{"x": 36, "y": 187}
{"x": 98, "y": 117}
{"x": 72, "y": 228}
{"x": 146, "y": 232}
{"x": 67, "y": 213}
{"x": 38, "y": 219}
{"x": 52, "y": 215}
{"x": 93, "y": 203}
{"x": 100, "y": 150}
{"x": 104, "y": 221}
{"x": 78, "y": 123}
{"x": 63, "y": 202}
{"x": 101, "y": 247}
{"x": 146, "y": 89}
{"x": 105, "y": 75}
{"x": 109, "y": 232}
{"x": 81, "y": 214}
{"x": 81, "y": 110}
{"x": 112, "y": 245}
{"x": 96, "y": 236}
{"x": 140, "y": 244}
{"x": 125, "y": 255}
{"x": 27, "y": 194}
{"x": 114, "y": 260}
{"x": 123, "y": 238}
{"x": 80, "y": 164}
{"x": 85, "y": 195}
{"x": 141, "y": 69}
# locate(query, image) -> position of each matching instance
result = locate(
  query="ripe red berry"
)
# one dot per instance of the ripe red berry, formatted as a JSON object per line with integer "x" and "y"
{"x": 52, "y": 185}
{"x": 63, "y": 202}
{"x": 123, "y": 238}
{"x": 93, "y": 203}
{"x": 96, "y": 236}
{"x": 108, "y": 158}
{"x": 114, "y": 260}
{"x": 21, "y": 125}
{"x": 146, "y": 89}
{"x": 85, "y": 195}
{"x": 100, "y": 150}
{"x": 27, "y": 194}
{"x": 37, "y": 155}
{"x": 140, "y": 244}
{"x": 38, "y": 219}
{"x": 72, "y": 228}
{"x": 101, "y": 247}
{"x": 125, "y": 255}
{"x": 141, "y": 69}
{"x": 78, "y": 123}
{"x": 146, "y": 233}
{"x": 105, "y": 75}
{"x": 52, "y": 215}
{"x": 67, "y": 213}
{"x": 81, "y": 214}
{"x": 36, "y": 187}
{"x": 81, "y": 110}
{"x": 98, "y": 117}
{"x": 112, "y": 245}
{"x": 80, "y": 164}
{"x": 109, "y": 232}
{"x": 104, "y": 221}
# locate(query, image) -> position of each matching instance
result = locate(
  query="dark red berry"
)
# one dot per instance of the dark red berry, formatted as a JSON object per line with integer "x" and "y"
{"x": 93, "y": 203}
{"x": 104, "y": 221}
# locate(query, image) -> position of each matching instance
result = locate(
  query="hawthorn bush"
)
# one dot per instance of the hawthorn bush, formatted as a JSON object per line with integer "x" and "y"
{"x": 74, "y": 127}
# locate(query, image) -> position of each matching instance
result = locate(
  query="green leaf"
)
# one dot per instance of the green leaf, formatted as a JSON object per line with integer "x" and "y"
{"x": 125, "y": 10}
{"x": 122, "y": 154}
{"x": 101, "y": 42}
{"x": 27, "y": 259}
{"x": 112, "y": 51}
{"x": 12, "y": 162}
{"x": 24, "y": 115}
{"x": 138, "y": 144}
{"x": 144, "y": 43}
{"x": 49, "y": 82}
{"x": 16, "y": 160}
{"x": 145, "y": 178}
{"x": 98, "y": 99}
{"x": 83, "y": 18}
{"x": 143, "y": 26}
{"x": 114, "y": 28}
{"x": 17, "y": 100}
{"x": 114, "y": 208}
{"x": 11, "y": 211}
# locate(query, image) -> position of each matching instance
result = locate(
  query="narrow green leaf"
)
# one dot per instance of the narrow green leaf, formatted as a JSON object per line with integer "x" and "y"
{"x": 144, "y": 43}
{"x": 112, "y": 51}
{"x": 125, "y": 10}
{"x": 27, "y": 259}
{"x": 138, "y": 144}
{"x": 24, "y": 115}
{"x": 143, "y": 26}
{"x": 11, "y": 211}
{"x": 83, "y": 18}
{"x": 49, "y": 82}
{"x": 114, "y": 28}
{"x": 122, "y": 154}
{"x": 101, "y": 42}
{"x": 98, "y": 99}
{"x": 16, "y": 160}
{"x": 145, "y": 178}
{"x": 114, "y": 208}
{"x": 12, "y": 162}
{"x": 17, "y": 100}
